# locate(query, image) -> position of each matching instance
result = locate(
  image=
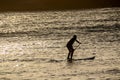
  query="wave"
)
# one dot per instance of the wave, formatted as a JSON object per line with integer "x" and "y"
{"x": 113, "y": 71}
{"x": 103, "y": 28}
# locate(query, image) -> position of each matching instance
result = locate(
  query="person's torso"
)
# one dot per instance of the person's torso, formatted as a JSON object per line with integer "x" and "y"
{"x": 70, "y": 43}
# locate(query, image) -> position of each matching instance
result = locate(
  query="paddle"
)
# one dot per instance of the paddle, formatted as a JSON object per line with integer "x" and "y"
{"x": 76, "y": 47}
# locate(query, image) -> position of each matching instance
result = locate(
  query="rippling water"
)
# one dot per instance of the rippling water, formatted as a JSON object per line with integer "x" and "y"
{"x": 32, "y": 45}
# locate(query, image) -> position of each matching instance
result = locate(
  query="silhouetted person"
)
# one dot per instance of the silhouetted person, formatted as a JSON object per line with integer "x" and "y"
{"x": 70, "y": 47}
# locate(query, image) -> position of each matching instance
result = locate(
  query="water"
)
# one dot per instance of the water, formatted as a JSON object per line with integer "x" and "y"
{"x": 33, "y": 45}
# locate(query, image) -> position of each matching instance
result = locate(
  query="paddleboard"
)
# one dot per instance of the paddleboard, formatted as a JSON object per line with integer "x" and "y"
{"x": 89, "y": 58}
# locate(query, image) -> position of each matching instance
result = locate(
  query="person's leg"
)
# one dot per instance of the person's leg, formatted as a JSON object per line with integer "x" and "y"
{"x": 72, "y": 53}
{"x": 68, "y": 55}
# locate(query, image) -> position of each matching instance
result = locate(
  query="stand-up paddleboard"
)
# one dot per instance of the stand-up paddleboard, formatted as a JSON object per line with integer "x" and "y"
{"x": 89, "y": 58}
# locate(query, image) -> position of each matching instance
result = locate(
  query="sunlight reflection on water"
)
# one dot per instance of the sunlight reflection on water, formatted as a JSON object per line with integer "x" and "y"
{"x": 35, "y": 45}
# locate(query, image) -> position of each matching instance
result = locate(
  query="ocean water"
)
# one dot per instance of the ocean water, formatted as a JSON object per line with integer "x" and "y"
{"x": 33, "y": 45}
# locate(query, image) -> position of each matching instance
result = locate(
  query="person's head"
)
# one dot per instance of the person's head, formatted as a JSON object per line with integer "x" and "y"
{"x": 75, "y": 36}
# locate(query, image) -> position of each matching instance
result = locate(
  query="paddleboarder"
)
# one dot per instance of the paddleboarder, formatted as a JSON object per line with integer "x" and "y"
{"x": 70, "y": 47}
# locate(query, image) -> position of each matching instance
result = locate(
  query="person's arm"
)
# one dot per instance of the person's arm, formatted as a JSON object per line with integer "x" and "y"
{"x": 78, "y": 41}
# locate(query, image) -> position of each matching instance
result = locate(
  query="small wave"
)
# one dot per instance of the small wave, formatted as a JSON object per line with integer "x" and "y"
{"x": 53, "y": 60}
{"x": 4, "y": 78}
{"x": 113, "y": 71}
{"x": 25, "y": 60}
{"x": 21, "y": 33}
{"x": 45, "y": 60}
{"x": 103, "y": 28}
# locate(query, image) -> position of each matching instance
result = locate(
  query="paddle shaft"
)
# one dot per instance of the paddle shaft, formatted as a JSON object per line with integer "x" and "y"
{"x": 76, "y": 47}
